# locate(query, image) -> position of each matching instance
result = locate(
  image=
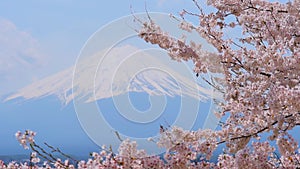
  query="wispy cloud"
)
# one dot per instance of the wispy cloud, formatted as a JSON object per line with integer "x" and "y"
{"x": 17, "y": 48}
{"x": 20, "y": 55}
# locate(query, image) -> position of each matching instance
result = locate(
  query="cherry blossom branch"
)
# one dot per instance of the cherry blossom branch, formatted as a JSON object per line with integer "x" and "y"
{"x": 60, "y": 152}
{"x": 44, "y": 154}
{"x": 257, "y": 132}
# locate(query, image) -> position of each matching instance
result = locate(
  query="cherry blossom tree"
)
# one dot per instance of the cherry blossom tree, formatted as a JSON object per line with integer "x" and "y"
{"x": 260, "y": 89}
{"x": 261, "y": 85}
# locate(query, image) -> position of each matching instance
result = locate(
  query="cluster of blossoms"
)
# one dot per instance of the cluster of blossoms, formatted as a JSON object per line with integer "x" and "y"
{"x": 25, "y": 138}
{"x": 261, "y": 89}
{"x": 185, "y": 149}
{"x": 261, "y": 85}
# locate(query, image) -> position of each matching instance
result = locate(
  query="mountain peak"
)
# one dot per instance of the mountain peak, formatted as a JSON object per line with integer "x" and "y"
{"x": 122, "y": 69}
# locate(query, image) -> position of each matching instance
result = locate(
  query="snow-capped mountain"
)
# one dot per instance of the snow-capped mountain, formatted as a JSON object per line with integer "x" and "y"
{"x": 108, "y": 76}
{"x": 114, "y": 72}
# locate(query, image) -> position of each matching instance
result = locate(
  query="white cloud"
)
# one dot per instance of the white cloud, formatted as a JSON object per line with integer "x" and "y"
{"x": 20, "y": 56}
{"x": 18, "y": 49}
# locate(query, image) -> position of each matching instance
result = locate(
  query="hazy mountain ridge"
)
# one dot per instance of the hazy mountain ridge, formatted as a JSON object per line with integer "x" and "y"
{"x": 111, "y": 80}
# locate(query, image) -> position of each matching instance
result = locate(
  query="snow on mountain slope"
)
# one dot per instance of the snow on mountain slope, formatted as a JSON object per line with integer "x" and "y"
{"x": 122, "y": 69}
{"x": 59, "y": 84}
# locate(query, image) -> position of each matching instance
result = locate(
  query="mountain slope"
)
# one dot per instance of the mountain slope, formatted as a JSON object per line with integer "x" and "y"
{"x": 122, "y": 69}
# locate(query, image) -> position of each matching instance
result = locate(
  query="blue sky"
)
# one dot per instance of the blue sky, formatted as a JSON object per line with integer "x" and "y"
{"x": 50, "y": 34}
{"x": 40, "y": 38}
